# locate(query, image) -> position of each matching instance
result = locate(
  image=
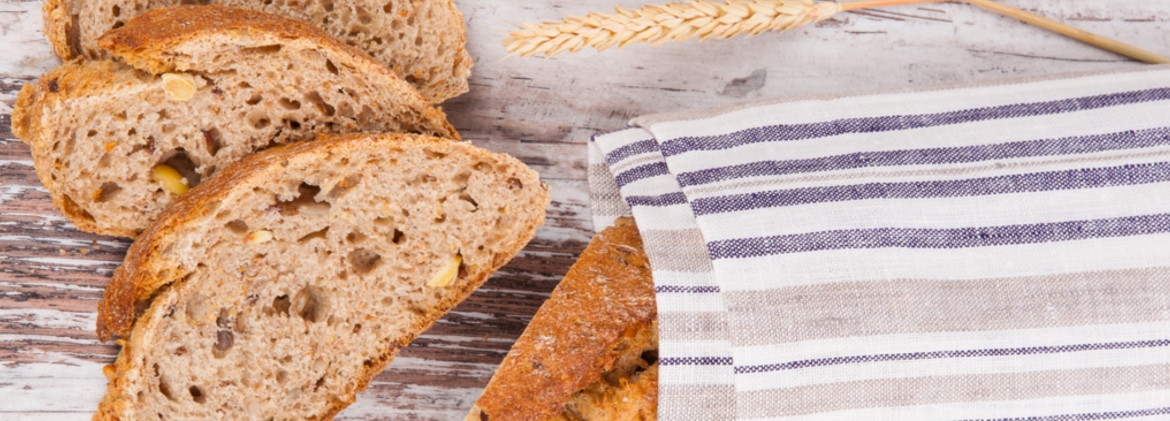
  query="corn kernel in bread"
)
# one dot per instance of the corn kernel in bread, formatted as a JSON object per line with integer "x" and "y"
{"x": 212, "y": 85}
{"x": 279, "y": 288}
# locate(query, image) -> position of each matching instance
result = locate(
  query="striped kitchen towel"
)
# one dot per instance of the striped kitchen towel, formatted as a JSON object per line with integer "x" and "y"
{"x": 984, "y": 253}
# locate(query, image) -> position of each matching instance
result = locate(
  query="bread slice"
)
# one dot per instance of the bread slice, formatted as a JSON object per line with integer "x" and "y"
{"x": 591, "y": 351}
{"x": 421, "y": 40}
{"x": 276, "y": 290}
{"x": 211, "y": 86}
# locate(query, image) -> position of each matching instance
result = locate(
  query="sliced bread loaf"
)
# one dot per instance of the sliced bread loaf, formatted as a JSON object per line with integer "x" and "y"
{"x": 421, "y": 40}
{"x": 276, "y": 290}
{"x": 112, "y": 142}
{"x": 591, "y": 351}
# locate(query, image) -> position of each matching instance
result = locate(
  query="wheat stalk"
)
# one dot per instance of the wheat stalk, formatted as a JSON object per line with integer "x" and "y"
{"x": 658, "y": 24}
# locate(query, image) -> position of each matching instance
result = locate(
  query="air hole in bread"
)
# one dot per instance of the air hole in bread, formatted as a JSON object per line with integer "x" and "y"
{"x": 327, "y": 5}
{"x": 398, "y": 237}
{"x": 461, "y": 179}
{"x": 91, "y": 133}
{"x": 281, "y": 304}
{"x": 355, "y": 237}
{"x": 397, "y": 25}
{"x": 197, "y": 394}
{"x": 382, "y": 221}
{"x": 181, "y": 162}
{"x": 364, "y": 260}
{"x": 259, "y": 121}
{"x": 116, "y": 11}
{"x": 223, "y": 343}
{"x": 467, "y": 198}
{"x": 315, "y": 98}
{"x": 108, "y": 190}
{"x": 329, "y": 64}
{"x": 434, "y": 154}
{"x": 320, "y": 382}
{"x": 118, "y": 24}
{"x": 418, "y": 41}
{"x": 363, "y": 15}
{"x": 281, "y": 376}
{"x": 322, "y": 234}
{"x": 211, "y": 139}
{"x": 311, "y": 304}
{"x": 367, "y": 113}
{"x": 164, "y": 387}
{"x": 237, "y": 226}
{"x": 483, "y": 167}
{"x": 514, "y": 184}
{"x": 305, "y": 202}
{"x": 255, "y": 99}
{"x": 292, "y": 124}
{"x": 289, "y": 104}
{"x": 264, "y": 49}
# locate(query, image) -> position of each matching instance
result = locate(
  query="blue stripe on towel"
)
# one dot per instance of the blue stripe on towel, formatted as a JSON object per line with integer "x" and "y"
{"x": 788, "y": 132}
{"x": 933, "y": 156}
{"x": 973, "y": 353}
{"x": 1007, "y": 184}
{"x": 915, "y": 238}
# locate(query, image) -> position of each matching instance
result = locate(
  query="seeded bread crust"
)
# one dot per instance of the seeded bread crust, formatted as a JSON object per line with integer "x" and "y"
{"x": 49, "y": 118}
{"x": 606, "y": 301}
{"x": 150, "y": 271}
{"x": 436, "y": 62}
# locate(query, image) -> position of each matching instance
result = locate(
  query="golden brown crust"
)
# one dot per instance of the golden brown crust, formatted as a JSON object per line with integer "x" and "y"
{"x": 570, "y": 341}
{"x": 145, "y": 41}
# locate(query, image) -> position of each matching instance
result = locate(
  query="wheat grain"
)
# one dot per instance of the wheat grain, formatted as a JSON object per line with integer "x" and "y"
{"x": 659, "y": 24}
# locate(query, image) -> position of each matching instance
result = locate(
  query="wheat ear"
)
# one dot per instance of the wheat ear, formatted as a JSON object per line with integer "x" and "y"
{"x": 658, "y": 24}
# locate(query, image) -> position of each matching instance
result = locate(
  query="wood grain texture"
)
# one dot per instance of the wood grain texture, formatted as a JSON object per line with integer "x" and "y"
{"x": 542, "y": 111}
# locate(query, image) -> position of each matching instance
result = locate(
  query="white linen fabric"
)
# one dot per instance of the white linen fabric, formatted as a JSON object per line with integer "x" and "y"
{"x": 983, "y": 253}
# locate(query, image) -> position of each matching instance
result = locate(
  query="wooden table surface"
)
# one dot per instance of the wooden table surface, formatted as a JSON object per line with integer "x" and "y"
{"x": 542, "y": 111}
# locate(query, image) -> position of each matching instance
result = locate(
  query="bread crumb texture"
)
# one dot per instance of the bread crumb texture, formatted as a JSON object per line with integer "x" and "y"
{"x": 100, "y": 130}
{"x": 276, "y": 290}
{"x": 421, "y": 40}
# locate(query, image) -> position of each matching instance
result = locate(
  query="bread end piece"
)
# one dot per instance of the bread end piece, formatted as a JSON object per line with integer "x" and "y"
{"x": 61, "y": 28}
{"x": 558, "y": 356}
